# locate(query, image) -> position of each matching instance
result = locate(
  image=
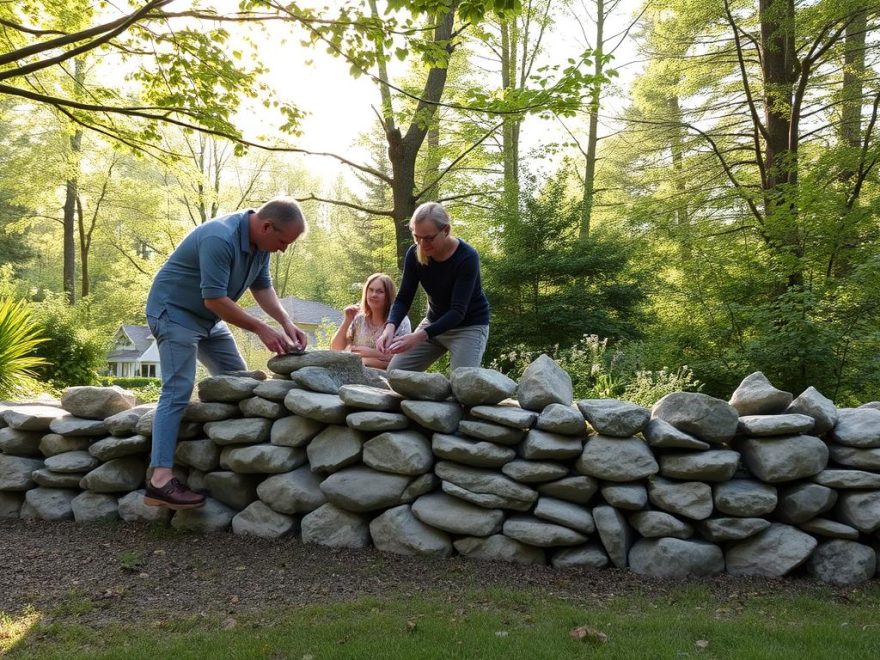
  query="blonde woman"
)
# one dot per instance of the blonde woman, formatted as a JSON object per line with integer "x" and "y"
{"x": 458, "y": 313}
{"x": 362, "y": 324}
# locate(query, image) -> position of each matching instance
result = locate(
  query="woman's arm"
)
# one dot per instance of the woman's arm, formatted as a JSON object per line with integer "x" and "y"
{"x": 340, "y": 338}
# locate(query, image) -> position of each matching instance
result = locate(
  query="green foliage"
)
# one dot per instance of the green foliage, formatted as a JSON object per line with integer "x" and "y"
{"x": 19, "y": 339}
{"x": 547, "y": 287}
{"x": 74, "y": 350}
{"x": 598, "y": 372}
{"x": 145, "y": 390}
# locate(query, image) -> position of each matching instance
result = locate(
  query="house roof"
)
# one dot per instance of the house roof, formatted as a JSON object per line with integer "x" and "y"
{"x": 140, "y": 336}
{"x": 304, "y": 311}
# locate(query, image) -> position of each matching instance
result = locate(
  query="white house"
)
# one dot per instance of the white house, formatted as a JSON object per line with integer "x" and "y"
{"x": 133, "y": 353}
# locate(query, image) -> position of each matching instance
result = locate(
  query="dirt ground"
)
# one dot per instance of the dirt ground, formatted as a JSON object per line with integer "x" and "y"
{"x": 124, "y": 570}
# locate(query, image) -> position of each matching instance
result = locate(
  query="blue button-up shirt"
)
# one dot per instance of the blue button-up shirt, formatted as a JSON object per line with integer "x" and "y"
{"x": 215, "y": 260}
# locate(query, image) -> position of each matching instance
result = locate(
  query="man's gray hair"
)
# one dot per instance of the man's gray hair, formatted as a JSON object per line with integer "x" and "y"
{"x": 432, "y": 211}
{"x": 282, "y": 212}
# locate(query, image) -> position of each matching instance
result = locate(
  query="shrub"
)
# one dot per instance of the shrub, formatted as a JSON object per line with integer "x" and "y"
{"x": 73, "y": 352}
{"x": 598, "y": 372}
{"x": 19, "y": 339}
{"x": 145, "y": 390}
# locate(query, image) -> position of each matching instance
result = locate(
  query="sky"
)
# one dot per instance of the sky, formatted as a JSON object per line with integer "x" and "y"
{"x": 341, "y": 108}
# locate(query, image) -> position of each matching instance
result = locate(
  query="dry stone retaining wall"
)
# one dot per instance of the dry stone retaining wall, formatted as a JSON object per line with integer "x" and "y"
{"x": 477, "y": 465}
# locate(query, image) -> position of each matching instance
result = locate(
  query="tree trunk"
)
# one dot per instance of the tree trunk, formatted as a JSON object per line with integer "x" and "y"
{"x": 853, "y": 76}
{"x": 592, "y": 135}
{"x": 84, "y": 287}
{"x": 70, "y": 196}
{"x": 403, "y": 150}
{"x": 679, "y": 182}
{"x": 510, "y": 128}
{"x": 779, "y": 67}
{"x": 70, "y": 227}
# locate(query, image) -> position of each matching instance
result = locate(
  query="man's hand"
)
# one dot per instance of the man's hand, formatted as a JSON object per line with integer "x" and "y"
{"x": 405, "y": 342}
{"x": 275, "y": 340}
{"x": 297, "y": 337}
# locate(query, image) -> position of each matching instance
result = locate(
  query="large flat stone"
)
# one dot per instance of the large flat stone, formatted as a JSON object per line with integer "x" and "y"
{"x": 499, "y": 548}
{"x": 456, "y": 516}
{"x": 331, "y": 526}
{"x": 757, "y": 396}
{"x": 813, "y": 403}
{"x": 611, "y": 417}
{"x": 439, "y": 416}
{"x": 327, "y": 408}
{"x": 96, "y": 402}
{"x": 420, "y": 385}
{"x": 469, "y": 452}
{"x": 543, "y": 383}
{"x": 298, "y": 491}
{"x": 711, "y": 465}
{"x": 400, "y": 452}
{"x": 616, "y": 459}
{"x": 771, "y": 553}
{"x": 398, "y": 531}
{"x": 785, "y": 458}
{"x": 857, "y": 427}
{"x": 334, "y": 448}
{"x": 708, "y": 419}
{"x": 360, "y": 489}
{"x": 475, "y": 386}
{"x": 675, "y": 558}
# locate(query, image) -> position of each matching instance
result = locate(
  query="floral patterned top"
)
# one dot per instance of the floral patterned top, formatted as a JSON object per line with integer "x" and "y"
{"x": 360, "y": 333}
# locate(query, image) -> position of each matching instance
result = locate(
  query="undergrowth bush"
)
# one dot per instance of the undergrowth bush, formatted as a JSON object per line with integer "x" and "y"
{"x": 598, "y": 372}
{"x": 19, "y": 339}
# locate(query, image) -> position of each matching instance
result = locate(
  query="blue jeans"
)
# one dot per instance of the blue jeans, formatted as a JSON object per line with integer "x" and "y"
{"x": 178, "y": 348}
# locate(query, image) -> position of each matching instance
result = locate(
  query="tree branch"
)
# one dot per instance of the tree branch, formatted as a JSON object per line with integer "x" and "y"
{"x": 115, "y": 28}
{"x": 351, "y": 205}
{"x": 457, "y": 160}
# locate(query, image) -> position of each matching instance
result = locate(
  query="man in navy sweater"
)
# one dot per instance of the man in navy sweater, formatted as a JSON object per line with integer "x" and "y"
{"x": 458, "y": 313}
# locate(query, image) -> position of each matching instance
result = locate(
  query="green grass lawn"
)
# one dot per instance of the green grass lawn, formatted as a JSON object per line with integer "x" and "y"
{"x": 689, "y": 622}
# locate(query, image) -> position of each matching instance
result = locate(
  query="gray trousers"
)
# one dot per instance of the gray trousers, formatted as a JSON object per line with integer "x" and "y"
{"x": 466, "y": 346}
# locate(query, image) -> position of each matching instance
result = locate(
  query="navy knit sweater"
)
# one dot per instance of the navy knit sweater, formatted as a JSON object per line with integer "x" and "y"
{"x": 455, "y": 295}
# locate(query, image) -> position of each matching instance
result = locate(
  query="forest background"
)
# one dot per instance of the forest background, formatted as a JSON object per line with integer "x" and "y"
{"x": 666, "y": 194}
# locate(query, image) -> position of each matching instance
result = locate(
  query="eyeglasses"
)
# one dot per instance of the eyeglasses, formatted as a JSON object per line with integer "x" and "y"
{"x": 425, "y": 239}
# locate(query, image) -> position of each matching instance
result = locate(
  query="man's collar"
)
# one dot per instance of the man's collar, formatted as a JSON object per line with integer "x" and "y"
{"x": 245, "y": 229}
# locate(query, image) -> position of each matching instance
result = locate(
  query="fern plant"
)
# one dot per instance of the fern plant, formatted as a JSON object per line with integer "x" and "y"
{"x": 19, "y": 337}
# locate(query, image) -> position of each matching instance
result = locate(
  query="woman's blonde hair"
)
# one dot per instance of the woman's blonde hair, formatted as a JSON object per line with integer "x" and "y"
{"x": 438, "y": 215}
{"x": 390, "y": 294}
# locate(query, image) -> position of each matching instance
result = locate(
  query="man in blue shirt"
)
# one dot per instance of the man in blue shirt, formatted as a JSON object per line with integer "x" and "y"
{"x": 192, "y": 298}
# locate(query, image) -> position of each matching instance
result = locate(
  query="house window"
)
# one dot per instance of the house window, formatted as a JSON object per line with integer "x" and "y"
{"x": 148, "y": 370}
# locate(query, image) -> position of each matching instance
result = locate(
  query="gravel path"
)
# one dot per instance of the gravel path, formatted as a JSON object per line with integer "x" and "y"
{"x": 124, "y": 570}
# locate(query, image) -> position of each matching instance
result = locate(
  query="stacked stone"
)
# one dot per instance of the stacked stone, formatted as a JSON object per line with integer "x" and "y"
{"x": 477, "y": 464}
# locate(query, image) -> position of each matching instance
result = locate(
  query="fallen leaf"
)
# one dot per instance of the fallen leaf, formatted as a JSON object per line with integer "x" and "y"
{"x": 501, "y": 633}
{"x": 233, "y": 600}
{"x": 410, "y": 626}
{"x": 583, "y": 633}
{"x": 229, "y": 623}
{"x": 701, "y": 643}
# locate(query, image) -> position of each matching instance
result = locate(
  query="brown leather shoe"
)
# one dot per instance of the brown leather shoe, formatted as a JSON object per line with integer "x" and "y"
{"x": 173, "y": 495}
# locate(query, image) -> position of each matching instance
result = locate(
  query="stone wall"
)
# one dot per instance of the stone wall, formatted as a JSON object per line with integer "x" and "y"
{"x": 477, "y": 465}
